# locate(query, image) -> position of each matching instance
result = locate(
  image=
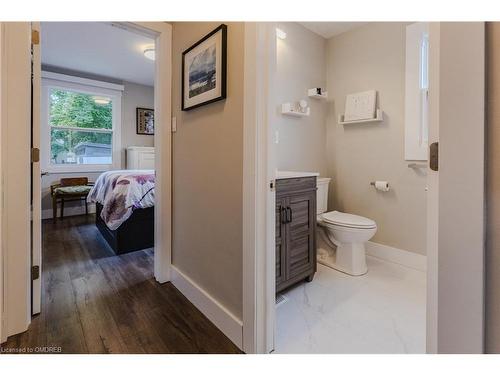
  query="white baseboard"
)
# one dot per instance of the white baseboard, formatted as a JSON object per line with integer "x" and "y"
{"x": 223, "y": 319}
{"x": 68, "y": 211}
{"x": 394, "y": 255}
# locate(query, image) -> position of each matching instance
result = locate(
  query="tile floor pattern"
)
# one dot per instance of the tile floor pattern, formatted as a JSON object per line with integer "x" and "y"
{"x": 380, "y": 312}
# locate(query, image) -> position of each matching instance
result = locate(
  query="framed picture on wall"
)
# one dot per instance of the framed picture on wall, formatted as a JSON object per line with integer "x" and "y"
{"x": 145, "y": 121}
{"x": 204, "y": 67}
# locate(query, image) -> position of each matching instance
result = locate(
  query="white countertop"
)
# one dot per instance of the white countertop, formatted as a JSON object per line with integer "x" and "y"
{"x": 292, "y": 174}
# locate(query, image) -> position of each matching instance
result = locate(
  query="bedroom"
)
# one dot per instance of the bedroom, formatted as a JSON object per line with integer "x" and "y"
{"x": 97, "y": 144}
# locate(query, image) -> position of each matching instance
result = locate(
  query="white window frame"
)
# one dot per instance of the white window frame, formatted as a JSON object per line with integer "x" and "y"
{"x": 416, "y": 95}
{"x": 86, "y": 86}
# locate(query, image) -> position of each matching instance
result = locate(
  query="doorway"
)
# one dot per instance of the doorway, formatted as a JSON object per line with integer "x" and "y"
{"x": 19, "y": 298}
{"x": 441, "y": 216}
{"x": 121, "y": 118}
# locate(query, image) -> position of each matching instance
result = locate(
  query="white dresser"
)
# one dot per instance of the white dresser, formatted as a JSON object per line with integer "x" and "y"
{"x": 140, "y": 157}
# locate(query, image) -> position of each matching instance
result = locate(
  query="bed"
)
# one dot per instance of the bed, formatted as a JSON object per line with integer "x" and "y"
{"x": 125, "y": 208}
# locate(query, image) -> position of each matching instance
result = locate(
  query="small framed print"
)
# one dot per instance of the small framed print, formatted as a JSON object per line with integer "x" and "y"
{"x": 204, "y": 67}
{"x": 145, "y": 121}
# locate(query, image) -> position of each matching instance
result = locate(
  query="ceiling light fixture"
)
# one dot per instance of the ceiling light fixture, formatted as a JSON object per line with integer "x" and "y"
{"x": 149, "y": 53}
{"x": 101, "y": 100}
{"x": 280, "y": 34}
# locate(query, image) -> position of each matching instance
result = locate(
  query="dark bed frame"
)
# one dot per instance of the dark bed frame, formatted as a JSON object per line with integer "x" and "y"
{"x": 136, "y": 233}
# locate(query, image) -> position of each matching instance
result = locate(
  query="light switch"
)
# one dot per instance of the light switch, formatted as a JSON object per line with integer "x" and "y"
{"x": 174, "y": 124}
{"x": 277, "y": 136}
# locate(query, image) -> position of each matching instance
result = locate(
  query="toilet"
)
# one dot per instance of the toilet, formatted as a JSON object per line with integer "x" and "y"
{"x": 341, "y": 236}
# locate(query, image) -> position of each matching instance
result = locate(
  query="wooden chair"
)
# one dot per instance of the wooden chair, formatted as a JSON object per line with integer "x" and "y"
{"x": 70, "y": 189}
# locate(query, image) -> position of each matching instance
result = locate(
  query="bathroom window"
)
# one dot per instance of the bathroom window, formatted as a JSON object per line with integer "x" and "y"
{"x": 417, "y": 91}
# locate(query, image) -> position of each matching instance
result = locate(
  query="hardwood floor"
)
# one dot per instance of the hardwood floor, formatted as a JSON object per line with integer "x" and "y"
{"x": 96, "y": 302}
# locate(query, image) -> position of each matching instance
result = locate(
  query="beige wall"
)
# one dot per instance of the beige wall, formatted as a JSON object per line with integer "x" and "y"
{"x": 492, "y": 332}
{"x": 301, "y": 65}
{"x": 133, "y": 96}
{"x": 208, "y": 175}
{"x": 373, "y": 57}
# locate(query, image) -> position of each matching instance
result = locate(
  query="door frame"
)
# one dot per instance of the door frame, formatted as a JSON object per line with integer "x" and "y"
{"x": 15, "y": 295}
{"x": 15, "y": 124}
{"x": 457, "y": 247}
{"x": 456, "y": 203}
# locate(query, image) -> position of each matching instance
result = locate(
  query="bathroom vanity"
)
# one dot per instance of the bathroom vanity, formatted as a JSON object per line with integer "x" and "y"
{"x": 295, "y": 228}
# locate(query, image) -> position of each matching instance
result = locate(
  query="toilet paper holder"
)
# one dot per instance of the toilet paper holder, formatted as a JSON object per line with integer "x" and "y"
{"x": 384, "y": 188}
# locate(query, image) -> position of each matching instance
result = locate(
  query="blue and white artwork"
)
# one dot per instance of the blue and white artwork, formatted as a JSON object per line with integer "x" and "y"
{"x": 202, "y": 69}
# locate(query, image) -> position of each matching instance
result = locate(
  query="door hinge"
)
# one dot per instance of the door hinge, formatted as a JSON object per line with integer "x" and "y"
{"x": 35, "y": 37}
{"x": 35, "y": 155}
{"x": 35, "y": 273}
{"x": 434, "y": 156}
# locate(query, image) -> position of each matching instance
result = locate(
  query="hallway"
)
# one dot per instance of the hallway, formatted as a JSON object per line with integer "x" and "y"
{"x": 96, "y": 302}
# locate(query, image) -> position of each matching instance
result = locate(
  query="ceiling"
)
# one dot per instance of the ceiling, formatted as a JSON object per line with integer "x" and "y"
{"x": 97, "y": 48}
{"x": 330, "y": 29}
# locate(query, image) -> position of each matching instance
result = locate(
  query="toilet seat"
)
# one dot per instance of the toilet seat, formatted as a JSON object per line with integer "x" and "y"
{"x": 343, "y": 219}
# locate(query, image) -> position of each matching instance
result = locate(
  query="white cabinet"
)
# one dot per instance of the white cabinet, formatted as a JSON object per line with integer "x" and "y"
{"x": 140, "y": 157}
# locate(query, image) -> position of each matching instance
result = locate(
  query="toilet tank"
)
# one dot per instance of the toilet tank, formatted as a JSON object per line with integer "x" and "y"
{"x": 322, "y": 194}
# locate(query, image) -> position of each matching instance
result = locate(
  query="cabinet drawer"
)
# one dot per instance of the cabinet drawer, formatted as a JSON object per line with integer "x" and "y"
{"x": 291, "y": 185}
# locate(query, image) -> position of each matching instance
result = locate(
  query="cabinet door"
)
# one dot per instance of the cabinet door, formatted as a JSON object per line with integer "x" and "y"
{"x": 301, "y": 238}
{"x": 280, "y": 242}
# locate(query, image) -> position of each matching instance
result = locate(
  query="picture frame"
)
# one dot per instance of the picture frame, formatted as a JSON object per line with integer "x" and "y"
{"x": 204, "y": 70}
{"x": 145, "y": 124}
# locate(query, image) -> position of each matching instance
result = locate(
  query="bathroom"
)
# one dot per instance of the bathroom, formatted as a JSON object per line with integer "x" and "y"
{"x": 350, "y": 306}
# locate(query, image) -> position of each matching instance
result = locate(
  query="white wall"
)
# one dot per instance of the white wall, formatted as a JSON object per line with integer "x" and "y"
{"x": 301, "y": 65}
{"x": 134, "y": 95}
{"x": 373, "y": 57}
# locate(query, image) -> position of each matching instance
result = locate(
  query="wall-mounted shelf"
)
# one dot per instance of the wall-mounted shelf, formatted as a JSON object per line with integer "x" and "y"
{"x": 378, "y": 118}
{"x": 313, "y": 93}
{"x": 289, "y": 110}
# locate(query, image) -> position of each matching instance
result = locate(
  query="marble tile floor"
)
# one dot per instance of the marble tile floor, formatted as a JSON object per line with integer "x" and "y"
{"x": 380, "y": 312}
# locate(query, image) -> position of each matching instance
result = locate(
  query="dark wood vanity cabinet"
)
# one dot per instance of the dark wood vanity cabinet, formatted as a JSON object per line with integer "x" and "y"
{"x": 295, "y": 231}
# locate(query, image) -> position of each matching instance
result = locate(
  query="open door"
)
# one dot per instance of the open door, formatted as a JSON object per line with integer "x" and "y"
{"x": 36, "y": 186}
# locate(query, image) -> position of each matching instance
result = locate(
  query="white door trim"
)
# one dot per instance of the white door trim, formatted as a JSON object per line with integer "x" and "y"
{"x": 15, "y": 249}
{"x": 15, "y": 168}
{"x": 162, "y": 32}
{"x": 2, "y": 330}
{"x": 258, "y": 231}
{"x": 456, "y": 226}
{"x": 36, "y": 180}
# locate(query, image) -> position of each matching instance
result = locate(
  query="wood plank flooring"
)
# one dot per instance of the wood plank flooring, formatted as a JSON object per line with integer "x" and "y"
{"x": 96, "y": 302}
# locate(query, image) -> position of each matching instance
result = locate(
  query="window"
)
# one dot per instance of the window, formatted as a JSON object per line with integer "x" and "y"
{"x": 417, "y": 91}
{"x": 81, "y": 121}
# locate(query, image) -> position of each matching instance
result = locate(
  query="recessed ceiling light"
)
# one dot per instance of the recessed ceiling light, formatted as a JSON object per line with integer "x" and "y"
{"x": 149, "y": 53}
{"x": 280, "y": 34}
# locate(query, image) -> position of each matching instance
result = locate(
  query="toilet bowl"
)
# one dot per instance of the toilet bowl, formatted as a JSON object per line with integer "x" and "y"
{"x": 344, "y": 237}
{"x": 341, "y": 236}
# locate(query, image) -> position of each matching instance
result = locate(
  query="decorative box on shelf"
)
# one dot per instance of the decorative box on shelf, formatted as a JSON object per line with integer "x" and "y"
{"x": 317, "y": 93}
{"x": 296, "y": 110}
